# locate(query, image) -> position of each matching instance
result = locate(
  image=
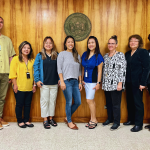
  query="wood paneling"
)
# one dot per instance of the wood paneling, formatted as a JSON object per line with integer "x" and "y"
{"x": 32, "y": 20}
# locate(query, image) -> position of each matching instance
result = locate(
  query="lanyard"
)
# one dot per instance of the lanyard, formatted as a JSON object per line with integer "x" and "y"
{"x": 27, "y": 66}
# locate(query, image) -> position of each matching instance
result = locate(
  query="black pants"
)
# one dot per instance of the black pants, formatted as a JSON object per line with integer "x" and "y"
{"x": 23, "y": 99}
{"x": 113, "y": 102}
{"x": 135, "y": 104}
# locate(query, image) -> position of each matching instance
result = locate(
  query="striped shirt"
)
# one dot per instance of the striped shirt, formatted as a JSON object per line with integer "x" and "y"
{"x": 67, "y": 66}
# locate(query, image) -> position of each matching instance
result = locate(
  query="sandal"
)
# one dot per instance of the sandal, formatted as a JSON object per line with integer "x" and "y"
{"x": 92, "y": 125}
{"x": 46, "y": 125}
{"x": 147, "y": 127}
{"x": 88, "y": 124}
{"x": 52, "y": 122}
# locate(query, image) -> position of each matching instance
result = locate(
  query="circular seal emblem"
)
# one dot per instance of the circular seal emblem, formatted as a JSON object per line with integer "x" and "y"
{"x": 78, "y": 25}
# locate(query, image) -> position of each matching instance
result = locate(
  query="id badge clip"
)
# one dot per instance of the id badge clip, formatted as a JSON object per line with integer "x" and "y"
{"x": 28, "y": 75}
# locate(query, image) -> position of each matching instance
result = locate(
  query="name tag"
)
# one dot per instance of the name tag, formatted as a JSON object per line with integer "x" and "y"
{"x": 28, "y": 75}
{"x": 86, "y": 74}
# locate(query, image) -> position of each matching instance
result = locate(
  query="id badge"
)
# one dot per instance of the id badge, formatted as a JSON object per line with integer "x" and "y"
{"x": 86, "y": 74}
{"x": 0, "y": 48}
{"x": 28, "y": 75}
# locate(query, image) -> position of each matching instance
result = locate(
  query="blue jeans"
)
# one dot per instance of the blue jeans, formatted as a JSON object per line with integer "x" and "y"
{"x": 72, "y": 90}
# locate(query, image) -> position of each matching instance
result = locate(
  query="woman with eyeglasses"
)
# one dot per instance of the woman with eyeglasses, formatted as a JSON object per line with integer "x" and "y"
{"x": 136, "y": 78}
{"x": 113, "y": 80}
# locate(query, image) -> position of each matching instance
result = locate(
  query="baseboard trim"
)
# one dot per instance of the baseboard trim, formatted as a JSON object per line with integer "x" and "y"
{"x": 61, "y": 119}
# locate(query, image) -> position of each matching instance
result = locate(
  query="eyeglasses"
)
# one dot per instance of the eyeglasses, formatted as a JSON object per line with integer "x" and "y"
{"x": 134, "y": 41}
{"x": 111, "y": 43}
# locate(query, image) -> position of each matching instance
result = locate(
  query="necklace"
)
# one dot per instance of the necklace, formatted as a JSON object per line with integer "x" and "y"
{"x": 48, "y": 55}
{"x": 112, "y": 55}
{"x": 132, "y": 52}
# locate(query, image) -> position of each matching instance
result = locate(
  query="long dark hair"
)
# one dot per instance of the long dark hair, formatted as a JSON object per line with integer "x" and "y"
{"x": 53, "y": 51}
{"x": 30, "y": 57}
{"x": 74, "y": 51}
{"x": 97, "y": 49}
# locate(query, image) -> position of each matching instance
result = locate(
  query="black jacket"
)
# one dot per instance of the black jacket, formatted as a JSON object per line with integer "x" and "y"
{"x": 148, "y": 80}
{"x": 139, "y": 67}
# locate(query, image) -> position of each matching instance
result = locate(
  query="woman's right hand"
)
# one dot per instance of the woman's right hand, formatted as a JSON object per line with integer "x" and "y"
{"x": 39, "y": 84}
{"x": 15, "y": 87}
{"x": 63, "y": 86}
{"x": 83, "y": 83}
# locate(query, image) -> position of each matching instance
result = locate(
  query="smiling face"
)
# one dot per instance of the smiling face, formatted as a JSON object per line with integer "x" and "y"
{"x": 70, "y": 44}
{"x": 112, "y": 45}
{"x": 26, "y": 50}
{"x": 134, "y": 43}
{"x": 48, "y": 45}
{"x": 1, "y": 23}
{"x": 91, "y": 44}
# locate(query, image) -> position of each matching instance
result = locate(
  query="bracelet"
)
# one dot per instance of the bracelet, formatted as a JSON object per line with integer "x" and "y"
{"x": 80, "y": 83}
{"x": 34, "y": 85}
{"x": 98, "y": 82}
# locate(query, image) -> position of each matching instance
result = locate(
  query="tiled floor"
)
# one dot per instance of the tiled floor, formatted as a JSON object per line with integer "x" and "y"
{"x": 63, "y": 138}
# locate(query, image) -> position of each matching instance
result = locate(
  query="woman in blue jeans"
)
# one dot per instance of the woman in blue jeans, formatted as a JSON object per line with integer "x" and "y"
{"x": 69, "y": 70}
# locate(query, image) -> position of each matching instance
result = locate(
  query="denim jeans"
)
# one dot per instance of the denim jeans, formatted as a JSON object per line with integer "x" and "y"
{"x": 72, "y": 90}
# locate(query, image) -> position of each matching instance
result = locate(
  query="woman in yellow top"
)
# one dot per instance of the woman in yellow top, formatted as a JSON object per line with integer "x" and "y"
{"x": 21, "y": 73}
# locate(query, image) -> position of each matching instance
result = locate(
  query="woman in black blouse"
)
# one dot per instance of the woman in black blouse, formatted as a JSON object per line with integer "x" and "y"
{"x": 136, "y": 77}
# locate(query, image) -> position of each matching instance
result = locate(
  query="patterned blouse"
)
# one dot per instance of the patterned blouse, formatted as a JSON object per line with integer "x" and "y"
{"x": 114, "y": 71}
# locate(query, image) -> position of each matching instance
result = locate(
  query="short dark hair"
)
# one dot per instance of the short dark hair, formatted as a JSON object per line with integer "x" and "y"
{"x": 138, "y": 37}
{"x": 1, "y": 18}
{"x": 20, "y": 51}
{"x": 114, "y": 37}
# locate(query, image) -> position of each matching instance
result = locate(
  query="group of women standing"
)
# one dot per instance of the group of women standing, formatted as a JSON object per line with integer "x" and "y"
{"x": 110, "y": 72}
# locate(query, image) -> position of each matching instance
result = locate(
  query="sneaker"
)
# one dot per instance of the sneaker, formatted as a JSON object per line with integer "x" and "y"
{"x": 106, "y": 122}
{"x": 1, "y": 127}
{"x": 114, "y": 127}
{"x": 4, "y": 123}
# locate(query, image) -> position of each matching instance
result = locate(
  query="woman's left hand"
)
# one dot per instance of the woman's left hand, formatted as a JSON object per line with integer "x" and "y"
{"x": 141, "y": 87}
{"x": 58, "y": 82}
{"x": 34, "y": 89}
{"x": 80, "y": 87}
{"x": 119, "y": 86}
{"x": 97, "y": 87}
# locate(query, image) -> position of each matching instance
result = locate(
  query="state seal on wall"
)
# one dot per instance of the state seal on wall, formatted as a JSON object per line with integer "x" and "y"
{"x": 78, "y": 25}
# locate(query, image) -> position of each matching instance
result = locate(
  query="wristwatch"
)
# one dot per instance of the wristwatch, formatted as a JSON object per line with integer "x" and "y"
{"x": 98, "y": 82}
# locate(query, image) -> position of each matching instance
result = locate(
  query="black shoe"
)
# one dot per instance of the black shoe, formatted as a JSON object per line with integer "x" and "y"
{"x": 106, "y": 122}
{"x": 136, "y": 128}
{"x": 46, "y": 125}
{"x": 128, "y": 123}
{"x": 147, "y": 127}
{"x": 29, "y": 125}
{"x": 52, "y": 122}
{"x": 114, "y": 127}
{"x": 23, "y": 126}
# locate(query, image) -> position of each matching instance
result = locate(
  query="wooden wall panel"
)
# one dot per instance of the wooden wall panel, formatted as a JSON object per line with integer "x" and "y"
{"x": 32, "y": 20}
